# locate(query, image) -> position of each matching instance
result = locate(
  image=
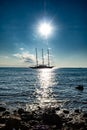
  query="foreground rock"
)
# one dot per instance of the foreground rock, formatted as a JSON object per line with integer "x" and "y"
{"x": 43, "y": 119}
{"x": 2, "y": 109}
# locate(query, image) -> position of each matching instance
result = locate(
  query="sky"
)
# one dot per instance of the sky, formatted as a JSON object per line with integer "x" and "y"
{"x": 19, "y": 35}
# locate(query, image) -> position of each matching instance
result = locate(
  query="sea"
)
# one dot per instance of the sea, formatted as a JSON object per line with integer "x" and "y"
{"x": 29, "y": 88}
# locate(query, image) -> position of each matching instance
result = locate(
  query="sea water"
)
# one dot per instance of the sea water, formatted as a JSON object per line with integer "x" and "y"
{"x": 20, "y": 87}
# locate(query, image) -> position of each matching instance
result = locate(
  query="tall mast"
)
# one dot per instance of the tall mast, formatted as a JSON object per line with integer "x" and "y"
{"x": 48, "y": 57}
{"x": 36, "y": 57}
{"x": 42, "y": 58}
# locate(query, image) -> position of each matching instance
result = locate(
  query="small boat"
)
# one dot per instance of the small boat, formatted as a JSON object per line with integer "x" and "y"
{"x": 42, "y": 66}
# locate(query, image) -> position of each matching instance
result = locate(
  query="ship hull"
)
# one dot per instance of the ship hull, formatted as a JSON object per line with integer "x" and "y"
{"x": 42, "y": 67}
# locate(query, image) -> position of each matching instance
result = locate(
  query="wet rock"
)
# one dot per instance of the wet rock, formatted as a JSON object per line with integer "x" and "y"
{"x": 57, "y": 108}
{"x": 78, "y": 126}
{"x": 66, "y": 111}
{"x": 77, "y": 111}
{"x": 2, "y": 109}
{"x": 53, "y": 110}
{"x": 24, "y": 126}
{"x": 33, "y": 122}
{"x": 50, "y": 110}
{"x": 2, "y": 120}
{"x": 2, "y": 126}
{"x": 20, "y": 111}
{"x": 27, "y": 116}
{"x": 52, "y": 119}
{"x": 80, "y": 87}
{"x": 85, "y": 115}
{"x": 6, "y": 113}
{"x": 39, "y": 108}
{"x": 15, "y": 112}
{"x": 13, "y": 122}
{"x": 70, "y": 119}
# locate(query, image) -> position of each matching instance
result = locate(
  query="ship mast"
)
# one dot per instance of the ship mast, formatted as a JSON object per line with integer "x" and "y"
{"x": 48, "y": 57}
{"x": 36, "y": 57}
{"x": 42, "y": 57}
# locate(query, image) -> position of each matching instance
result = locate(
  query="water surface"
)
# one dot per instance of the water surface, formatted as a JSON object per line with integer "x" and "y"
{"x": 25, "y": 86}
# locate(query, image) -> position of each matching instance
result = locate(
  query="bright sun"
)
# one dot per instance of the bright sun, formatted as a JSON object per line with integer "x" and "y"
{"x": 45, "y": 29}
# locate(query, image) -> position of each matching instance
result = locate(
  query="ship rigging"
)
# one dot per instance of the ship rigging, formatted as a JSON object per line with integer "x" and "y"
{"x": 42, "y": 66}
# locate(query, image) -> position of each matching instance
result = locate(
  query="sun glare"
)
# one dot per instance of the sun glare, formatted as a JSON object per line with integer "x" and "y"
{"x": 45, "y": 29}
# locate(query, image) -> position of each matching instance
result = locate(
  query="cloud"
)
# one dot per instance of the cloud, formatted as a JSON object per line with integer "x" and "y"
{"x": 21, "y": 49}
{"x": 29, "y": 58}
{"x": 25, "y": 57}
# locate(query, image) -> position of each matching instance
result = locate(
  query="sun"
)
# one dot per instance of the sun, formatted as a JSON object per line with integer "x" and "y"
{"x": 45, "y": 29}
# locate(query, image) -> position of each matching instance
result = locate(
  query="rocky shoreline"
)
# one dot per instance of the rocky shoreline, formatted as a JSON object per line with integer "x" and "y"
{"x": 48, "y": 118}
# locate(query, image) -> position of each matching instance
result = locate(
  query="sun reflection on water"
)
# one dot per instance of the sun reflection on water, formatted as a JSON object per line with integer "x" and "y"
{"x": 44, "y": 92}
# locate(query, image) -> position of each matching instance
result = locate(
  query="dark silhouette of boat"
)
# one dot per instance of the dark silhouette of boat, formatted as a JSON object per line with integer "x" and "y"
{"x": 42, "y": 66}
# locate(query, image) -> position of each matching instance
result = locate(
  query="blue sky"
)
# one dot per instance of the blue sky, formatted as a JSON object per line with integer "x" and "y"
{"x": 19, "y": 36}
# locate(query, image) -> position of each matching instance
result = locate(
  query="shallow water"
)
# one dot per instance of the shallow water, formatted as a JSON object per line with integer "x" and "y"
{"x": 44, "y": 87}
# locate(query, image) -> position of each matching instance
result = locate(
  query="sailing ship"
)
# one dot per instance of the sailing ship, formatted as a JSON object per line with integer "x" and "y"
{"x": 42, "y": 66}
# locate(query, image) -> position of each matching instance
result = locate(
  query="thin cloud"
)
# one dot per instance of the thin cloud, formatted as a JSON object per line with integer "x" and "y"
{"x": 25, "y": 57}
{"x": 21, "y": 49}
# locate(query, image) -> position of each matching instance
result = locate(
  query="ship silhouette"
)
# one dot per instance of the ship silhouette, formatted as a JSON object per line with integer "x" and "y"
{"x": 42, "y": 66}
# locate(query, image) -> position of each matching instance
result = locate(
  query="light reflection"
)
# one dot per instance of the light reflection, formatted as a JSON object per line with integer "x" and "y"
{"x": 44, "y": 93}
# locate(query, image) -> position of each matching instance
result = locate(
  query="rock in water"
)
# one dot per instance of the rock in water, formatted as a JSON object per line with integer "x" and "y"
{"x": 80, "y": 87}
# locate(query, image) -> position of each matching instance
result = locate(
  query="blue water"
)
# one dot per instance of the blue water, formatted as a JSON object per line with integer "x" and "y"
{"x": 44, "y": 87}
